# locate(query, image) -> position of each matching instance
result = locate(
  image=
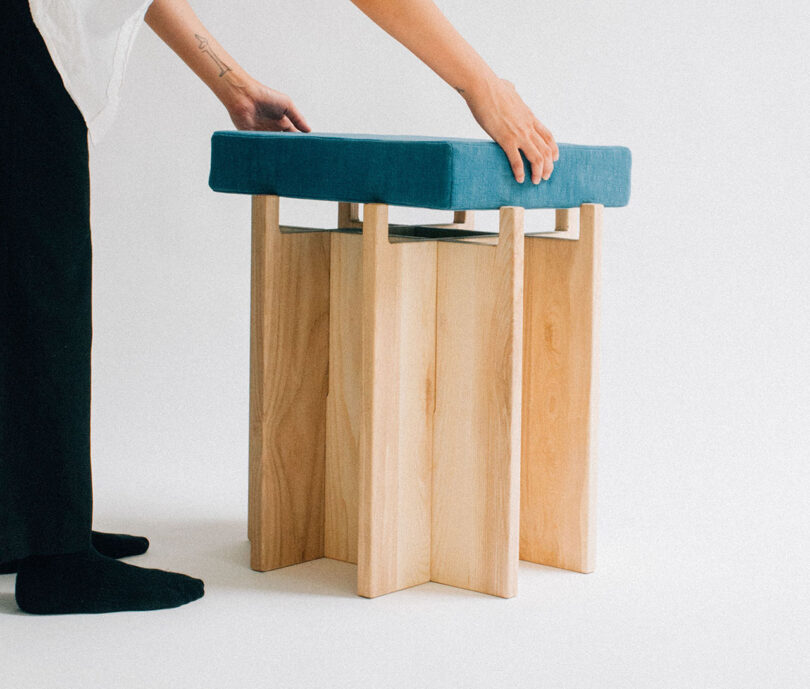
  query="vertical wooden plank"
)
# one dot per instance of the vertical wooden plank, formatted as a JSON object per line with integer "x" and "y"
{"x": 289, "y": 326}
{"x": 465, "y": 218}
{"x": 477, "y": 421}
{"x": 348, "y": 215}
{"x": 398, "y": 362}
{"x": 344, "y": 407}
{"x": 558, "y": 472}
{"x": 562, "y": 219}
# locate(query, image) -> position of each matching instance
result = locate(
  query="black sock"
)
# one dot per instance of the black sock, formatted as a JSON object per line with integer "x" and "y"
{"x": 117, "y": 545}
{"x": 89, "y": 582}
{"x": 110, "y": 544}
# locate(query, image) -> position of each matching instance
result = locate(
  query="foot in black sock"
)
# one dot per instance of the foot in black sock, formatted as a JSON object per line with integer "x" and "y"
{"x": 110, "y": 544}
{"x": 89, "y": 582}
{"x": 117, "y": 545}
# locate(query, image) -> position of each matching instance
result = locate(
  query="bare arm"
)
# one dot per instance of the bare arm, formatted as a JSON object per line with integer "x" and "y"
{"x": 421, "y": 27}
{"x": 250, "y": 104}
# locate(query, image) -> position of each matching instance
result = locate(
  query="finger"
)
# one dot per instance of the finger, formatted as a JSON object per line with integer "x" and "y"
{"x": 545, "y": 151}
{"x": 285, "y": 125}
{"x": 536, "y": 159}
{"x": 297, "y": 118}
{"x": 546, "y": 135}
{"x": 549, "y": 139}
{"x": 516, "y": 162}
{"x": 268, "y": 124}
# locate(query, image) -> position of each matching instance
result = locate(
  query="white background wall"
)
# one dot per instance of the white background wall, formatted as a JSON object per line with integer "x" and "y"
{"x": 703, "y": 437}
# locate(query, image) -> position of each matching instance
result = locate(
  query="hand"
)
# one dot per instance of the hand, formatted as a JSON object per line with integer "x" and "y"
{"x": 503, "y": 115}
{"x": 260, "y": 108}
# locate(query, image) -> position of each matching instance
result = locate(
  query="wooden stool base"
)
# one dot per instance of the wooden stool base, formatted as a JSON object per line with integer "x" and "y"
{"x": 393, "y": 384}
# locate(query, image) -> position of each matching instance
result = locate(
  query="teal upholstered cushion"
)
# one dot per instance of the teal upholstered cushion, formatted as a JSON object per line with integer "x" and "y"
{"x": 427, "y": 172}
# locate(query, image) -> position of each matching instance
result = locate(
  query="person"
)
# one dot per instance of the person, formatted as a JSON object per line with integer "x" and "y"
{"x": 64, "y": 66}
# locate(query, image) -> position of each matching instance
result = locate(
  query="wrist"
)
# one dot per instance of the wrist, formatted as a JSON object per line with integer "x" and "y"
{"x": 480, "y": 83}
{"x": 235, "y": 89}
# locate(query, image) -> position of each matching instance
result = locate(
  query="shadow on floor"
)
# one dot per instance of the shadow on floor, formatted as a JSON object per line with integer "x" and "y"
{"x": 218, "y": 552}
{"x": 8, "y": 606}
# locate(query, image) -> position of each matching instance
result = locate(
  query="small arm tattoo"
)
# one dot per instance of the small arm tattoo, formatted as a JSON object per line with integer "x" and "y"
{"x": 224, "y": 70}
{"x": 460, "y": 90}
{"x": 206, "y": 48}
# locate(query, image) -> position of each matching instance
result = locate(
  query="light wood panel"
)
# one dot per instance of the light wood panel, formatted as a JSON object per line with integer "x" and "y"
{"x": 398, "y": 364}
{"x": 289, "y": 341}
{"x": 477, "y": 420}
{"x": 345, "y": 401}
{"x": 558, "y": 487}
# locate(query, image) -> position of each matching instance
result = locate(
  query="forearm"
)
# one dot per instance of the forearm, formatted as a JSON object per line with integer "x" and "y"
{"x": 422, "y": 28}
{"x": 176, "y": 24}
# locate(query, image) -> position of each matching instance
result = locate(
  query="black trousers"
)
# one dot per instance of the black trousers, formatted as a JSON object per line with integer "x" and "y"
{"x": 45, "y": 301}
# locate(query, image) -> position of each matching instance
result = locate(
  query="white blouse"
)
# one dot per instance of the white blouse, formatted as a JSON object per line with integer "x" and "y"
{"x": 89, "y": 42}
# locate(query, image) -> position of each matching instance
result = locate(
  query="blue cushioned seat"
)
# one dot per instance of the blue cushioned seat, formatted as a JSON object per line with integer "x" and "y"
{"x": 422, "y": 171}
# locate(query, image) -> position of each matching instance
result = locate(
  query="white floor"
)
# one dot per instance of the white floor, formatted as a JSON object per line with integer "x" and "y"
{"x": 655, "y": 614}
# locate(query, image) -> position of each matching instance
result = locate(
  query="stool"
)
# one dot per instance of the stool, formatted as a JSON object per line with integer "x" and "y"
{"x": 422, "y": 398}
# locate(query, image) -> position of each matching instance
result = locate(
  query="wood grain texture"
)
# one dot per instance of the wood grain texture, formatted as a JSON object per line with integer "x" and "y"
{"x": 558, "y": 466}
{"x": 398, "y": 364}
{"x": 345, "y": 401}
{"x": 477, "y": 421}
{"x": 289, "y": 341}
